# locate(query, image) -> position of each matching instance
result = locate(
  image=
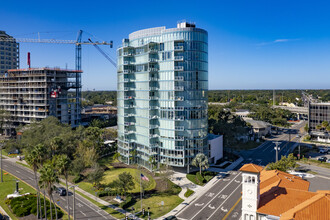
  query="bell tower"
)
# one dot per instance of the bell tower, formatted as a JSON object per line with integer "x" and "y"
{"x": 250, "y": 191}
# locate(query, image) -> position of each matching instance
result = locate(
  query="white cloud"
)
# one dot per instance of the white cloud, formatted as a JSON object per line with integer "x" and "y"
{"x": 276, "y": 41}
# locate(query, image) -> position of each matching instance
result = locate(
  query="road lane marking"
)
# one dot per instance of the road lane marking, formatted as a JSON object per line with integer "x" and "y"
{"x": 223, "y": 209}
{"x": 211, "y": 207}
{"x": 221, "y": 206}
{"x": 216, "y": 195}
{"x": 17, "y": 171}
{"x": 197, "y": 204}
{"x": 237, "y": 181}
{"x": 232, "y": 208}
{"x": 82, "y": 213}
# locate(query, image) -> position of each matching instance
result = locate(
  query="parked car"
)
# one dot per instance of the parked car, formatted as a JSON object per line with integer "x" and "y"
{"x": 61, "y": 191}
{"x": 328, "y": 161}
{"x": 322, "y": 159}
{"x": 172, "y": 217}
{"x": 323, "y": 151}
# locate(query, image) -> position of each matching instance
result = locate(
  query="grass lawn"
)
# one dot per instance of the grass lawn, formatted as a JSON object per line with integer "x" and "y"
{"x": 207, "y": 175}
{"x": 156, "y": 209}
{"x": 112, "y": 174}
{"x": 8, "y": 187}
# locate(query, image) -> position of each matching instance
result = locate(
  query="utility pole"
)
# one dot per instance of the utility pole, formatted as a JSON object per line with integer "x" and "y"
{"x": 277, "y": 148}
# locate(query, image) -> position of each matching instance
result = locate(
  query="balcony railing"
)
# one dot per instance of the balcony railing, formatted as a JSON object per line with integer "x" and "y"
{"x": 178, "y": 58}
{"x": 128, "y": 54}
{"x": 127, "y": 71}
{"x": 178, "y": 78}
{"x": 153, "y": 79}
{"x": 128, "y": 97}
{"x": 178, "y": 48}
{"x": 178, "y": 68}
{"x": 179, "y": 128}
{"x": 152, "y": 50}
{"x": 179, "y": 98}
{"x": 152, "y": 69}
{"x": 154, "y": 88}
{"x": 179, "y": 118}
{"x": 153, "y": 126}
{"x": 179, "y": 88}
{"x": 153, "y": 117}
{"x": 153, "y": 60}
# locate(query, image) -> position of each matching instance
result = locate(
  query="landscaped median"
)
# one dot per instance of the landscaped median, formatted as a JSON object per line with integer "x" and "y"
{"x": 201, "y": 179}
{"x": 28, "y": 202}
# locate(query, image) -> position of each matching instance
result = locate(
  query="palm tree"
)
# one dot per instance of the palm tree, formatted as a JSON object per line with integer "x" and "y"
{"x": 35, "y": 159}
{"x": 62, "y": 163}
{"x": 324, "y": 124}
{"x": 318, "y": 127}
{"x": 48, "y": 178}
{"x": 55, "y": 144}
{"x": 201, "y": 161}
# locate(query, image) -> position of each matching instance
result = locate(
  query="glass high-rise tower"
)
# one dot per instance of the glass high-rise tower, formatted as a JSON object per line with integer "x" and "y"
{"x": 162, "y": 96}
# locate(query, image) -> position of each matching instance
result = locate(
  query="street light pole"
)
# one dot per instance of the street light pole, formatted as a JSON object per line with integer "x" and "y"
{"x": 276, "y": 149}
{"x": 1, "y": 162}
{"x": 74, "y": 201}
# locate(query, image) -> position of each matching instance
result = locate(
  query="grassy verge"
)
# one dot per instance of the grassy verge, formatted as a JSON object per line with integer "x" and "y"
{"x": 315, "y": 163}
{"x": 8, "y": 187}
{"x": 188, "y": 193}
{"x": 23, "y": 164}
{"x": 109, "y": 210}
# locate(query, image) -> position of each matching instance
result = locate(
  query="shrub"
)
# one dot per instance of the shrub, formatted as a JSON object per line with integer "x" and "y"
{"x": 188, "y": 193}
{"x": 129, "y": 201}
{"x": 200, "y": 178}
{"x": 78, "y": 178}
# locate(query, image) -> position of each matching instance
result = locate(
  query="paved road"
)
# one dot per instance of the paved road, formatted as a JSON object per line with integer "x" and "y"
{"x": 219, "y": 199}
{"x": 223, "y": 199}
{"x": 84, "y": 208}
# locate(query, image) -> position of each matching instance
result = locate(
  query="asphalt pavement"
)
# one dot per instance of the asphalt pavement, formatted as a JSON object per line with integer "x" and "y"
{"x": 83, "y": 210}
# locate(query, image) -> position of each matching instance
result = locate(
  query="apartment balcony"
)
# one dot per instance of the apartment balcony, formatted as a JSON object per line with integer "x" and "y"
{"x": 179, "y": 108}
{"x": 153, "y": 117}
{"x": 129, "y": 80}
{"x": 128, "y": 54}
{"x": 129, "y": 132}
{"x": 178, "y": 48}
{"x": 153, "y": 145}
{"x": 153, "y": 88}
{"x": 179, "y": 98}
{"x": 178, "y": 68}
{"x": 152, "y": 50}
{"x": 153, "y": 135}
{"x": 153, "y": 126}
{"x": 128, "y": 106}
{"x": 153, "y": 107}
{"x": 179, "y": 88}
{"x": 179, "y": 118}
{"x": 153, "y": 98}
{"x": 179, "y": 138}
{"x": 179, "y": 78}
{"x": 128, "y": 71}
{"x": 178, "y": 58}
{"x": 129, "y": 123}
{"x": 153, "y": 60}
{"x": 127, "y": 115}
{"x": 128, "y": 98}
{"x": 153, "y": 79}
{"x": 153, "y": 69}
{"x": 179, "y": 128}
{"x": 128, "y": 63}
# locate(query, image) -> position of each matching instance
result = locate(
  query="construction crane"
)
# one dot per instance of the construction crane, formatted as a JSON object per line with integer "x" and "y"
{"x": 78, "y": 42}
{"x": 103, "y": 53}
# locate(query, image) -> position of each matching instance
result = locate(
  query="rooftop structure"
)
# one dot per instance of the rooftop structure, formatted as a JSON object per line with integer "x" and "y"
{"x": 33, "y": 94}
{"x": 162, "y": 95}
{"x": 9, "y": 53}
{"x": 275, "y": 194}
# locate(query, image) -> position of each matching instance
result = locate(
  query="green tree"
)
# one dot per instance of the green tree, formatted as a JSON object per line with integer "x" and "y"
{"x": 152, "y": 162}
{"x": 4, "y": 116}
{"x": 306, "y": 128}
{"x": 325, "y": 124}
{"x": 124, "y": 183}
{"x": 284, "y": 164}
{"x": 165, "y": 172}
{"x": 96, "y": 175}
{"x": 201, "y": 161}
{"x": 48, "y": 178}
{"x": 116, "y": 156}
{"x": 63, "y": 164}
{"x": 35, "y": 159}
{"x": 318, "y": 127}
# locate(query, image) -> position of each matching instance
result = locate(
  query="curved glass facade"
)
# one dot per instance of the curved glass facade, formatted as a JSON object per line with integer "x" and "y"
{"x": 162, "y": 95}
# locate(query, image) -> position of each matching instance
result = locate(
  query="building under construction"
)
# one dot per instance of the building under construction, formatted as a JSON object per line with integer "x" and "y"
{"x": 33, "y": 94}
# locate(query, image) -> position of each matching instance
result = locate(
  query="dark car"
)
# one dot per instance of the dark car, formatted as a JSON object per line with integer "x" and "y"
{"x": 172, "y": 217}
{"x": 61, "y": 191}
{"x": 322, "y": 159}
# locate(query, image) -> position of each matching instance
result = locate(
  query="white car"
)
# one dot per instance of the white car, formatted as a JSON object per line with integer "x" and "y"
{"x": 323, "y": 151}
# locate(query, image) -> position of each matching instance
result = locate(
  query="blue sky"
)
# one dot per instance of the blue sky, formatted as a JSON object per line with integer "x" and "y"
{"x": 263, "y": 44}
